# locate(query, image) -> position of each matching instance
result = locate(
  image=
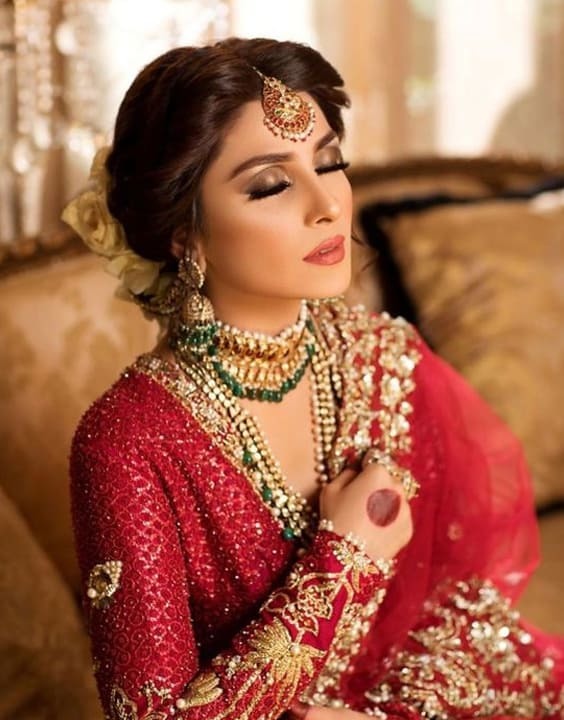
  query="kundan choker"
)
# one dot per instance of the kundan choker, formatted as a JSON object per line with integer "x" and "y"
{"x": 252, "y": 365}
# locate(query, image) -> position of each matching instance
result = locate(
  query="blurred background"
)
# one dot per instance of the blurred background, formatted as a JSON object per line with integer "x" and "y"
{"x": 442, "y": 77}
{"x": 456, "y": 143}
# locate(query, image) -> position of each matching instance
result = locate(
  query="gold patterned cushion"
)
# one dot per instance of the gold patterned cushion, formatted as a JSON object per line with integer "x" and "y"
{"x": 487, "y": 281}
{"x": 65, "y": 338}
{"x": 363, "y": 289}
{"x": 45, "y": 668}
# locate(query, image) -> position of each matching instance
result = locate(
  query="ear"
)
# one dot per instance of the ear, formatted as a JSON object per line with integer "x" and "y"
{"x": 182, "y": 240}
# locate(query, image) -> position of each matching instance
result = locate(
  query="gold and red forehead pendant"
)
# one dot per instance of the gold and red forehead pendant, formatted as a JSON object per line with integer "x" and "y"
{"x": 285, "y": 113}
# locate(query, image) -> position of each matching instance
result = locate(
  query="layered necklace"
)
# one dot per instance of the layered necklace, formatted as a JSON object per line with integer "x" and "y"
{"x": 227, "y": 364}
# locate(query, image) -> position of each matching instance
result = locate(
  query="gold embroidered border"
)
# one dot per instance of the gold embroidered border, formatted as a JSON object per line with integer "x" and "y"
{"x": 358, "y": 341}
{"x": 122, "y": 708}
{"x": 223, "y": 432}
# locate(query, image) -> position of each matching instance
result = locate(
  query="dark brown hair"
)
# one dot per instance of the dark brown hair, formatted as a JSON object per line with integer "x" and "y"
{"x": 172, "y": 119}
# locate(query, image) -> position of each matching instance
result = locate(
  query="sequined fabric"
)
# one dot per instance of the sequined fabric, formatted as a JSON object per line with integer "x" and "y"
{"x": 198, "y": 608}
{"x": 470, "y": 654}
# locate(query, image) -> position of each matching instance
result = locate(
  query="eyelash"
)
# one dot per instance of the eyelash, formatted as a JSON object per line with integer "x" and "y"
{"x": 260, "y": 194}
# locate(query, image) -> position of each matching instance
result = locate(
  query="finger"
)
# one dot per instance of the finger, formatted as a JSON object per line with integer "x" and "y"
{"x": 298, "y": 710}
{"x": 377, "y": 475}
{"x": 343, "y": 478}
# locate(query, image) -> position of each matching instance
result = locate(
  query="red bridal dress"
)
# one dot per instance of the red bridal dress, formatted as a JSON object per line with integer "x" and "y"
{"x": 199, "y": 607}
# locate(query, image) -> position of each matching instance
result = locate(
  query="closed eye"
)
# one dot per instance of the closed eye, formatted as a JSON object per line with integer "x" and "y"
{"x": 332, "y": 168}
{"x": 267, "y": 192}
{"x": 261, "y": 193}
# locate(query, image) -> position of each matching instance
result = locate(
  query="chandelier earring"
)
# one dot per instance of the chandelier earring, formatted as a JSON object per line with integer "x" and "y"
{"x": 196, "y": 308}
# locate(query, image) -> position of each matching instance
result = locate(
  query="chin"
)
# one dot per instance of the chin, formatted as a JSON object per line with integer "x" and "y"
{"x": 329, "y": 287}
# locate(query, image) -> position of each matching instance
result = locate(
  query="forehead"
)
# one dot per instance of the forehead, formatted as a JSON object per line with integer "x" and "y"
{"x": 248, "y": 135}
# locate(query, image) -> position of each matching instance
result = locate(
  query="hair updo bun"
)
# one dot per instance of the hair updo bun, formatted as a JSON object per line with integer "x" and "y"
{"x": 172, "y": 119}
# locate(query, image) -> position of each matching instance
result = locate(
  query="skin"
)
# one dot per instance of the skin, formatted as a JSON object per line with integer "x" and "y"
{"x": 252, "y": 251}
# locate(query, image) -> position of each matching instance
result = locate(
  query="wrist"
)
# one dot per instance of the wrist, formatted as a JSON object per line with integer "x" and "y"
{"x": 351, "y": 543}
{"x": 358, "y": 543}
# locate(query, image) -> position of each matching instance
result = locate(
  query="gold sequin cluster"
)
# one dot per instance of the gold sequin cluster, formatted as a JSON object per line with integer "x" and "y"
{"x": 475, "y": 657}
{"x": 359, "y": 341}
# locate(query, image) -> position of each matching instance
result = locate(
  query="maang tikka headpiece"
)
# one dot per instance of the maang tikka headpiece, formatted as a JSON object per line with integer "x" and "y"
{"x": 285, "y": 112}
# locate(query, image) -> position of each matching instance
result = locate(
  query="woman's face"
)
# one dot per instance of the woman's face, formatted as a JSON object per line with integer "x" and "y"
{"x": 268, "y": 203}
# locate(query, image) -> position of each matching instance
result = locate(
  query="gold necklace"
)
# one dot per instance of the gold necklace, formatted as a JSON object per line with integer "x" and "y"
{"x": 252, "y": 365}
{"x": 291, "y": 510}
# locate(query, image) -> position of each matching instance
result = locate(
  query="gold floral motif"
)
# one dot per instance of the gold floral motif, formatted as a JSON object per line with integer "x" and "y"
{"x": 122, "y": 708}
{"x": 204, "y": 689}
{"x": 103, "y": 581}
{"x": 473, "y": 635}
{"x": 312, "y": 604}
{"x": 286, "y": 659}
{"x": 358, "y": 563}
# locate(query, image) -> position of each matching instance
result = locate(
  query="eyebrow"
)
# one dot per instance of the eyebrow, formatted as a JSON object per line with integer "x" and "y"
{"x": 272, "y": 158}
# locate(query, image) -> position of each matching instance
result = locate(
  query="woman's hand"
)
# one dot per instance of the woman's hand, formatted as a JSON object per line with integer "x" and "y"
{"x": 371, "y": 505}
{"x": 300, "y": 711}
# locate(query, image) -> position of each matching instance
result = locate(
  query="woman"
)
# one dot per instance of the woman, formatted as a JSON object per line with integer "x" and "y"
{"x": 288, "y": 506}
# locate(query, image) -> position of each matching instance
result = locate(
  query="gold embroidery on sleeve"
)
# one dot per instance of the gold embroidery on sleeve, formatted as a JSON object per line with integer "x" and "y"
{"x": 103, "y": 582}
{"x": 276, "y": 661}
{"x": 352, "y": 626}
{"x": 204, "y": 689}
{"x": 122, "y": 708}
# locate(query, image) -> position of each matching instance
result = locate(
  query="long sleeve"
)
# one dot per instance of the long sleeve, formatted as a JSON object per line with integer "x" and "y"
{"x": 138, "y": 607}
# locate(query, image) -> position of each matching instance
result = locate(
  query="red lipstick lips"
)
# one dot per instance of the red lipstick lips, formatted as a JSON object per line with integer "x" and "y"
{"x": 329, "y": 252}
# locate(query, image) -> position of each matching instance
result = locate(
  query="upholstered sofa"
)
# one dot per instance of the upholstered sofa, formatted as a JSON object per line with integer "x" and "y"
{"x": 65, "y": 338}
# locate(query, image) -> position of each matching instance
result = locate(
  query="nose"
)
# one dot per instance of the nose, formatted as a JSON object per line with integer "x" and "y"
{"x": 322, "y": 206}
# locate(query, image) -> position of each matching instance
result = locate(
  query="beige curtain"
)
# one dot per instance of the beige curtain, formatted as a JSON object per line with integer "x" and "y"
{"x": 449, "y": 76}
{"x": 425, "y": 76}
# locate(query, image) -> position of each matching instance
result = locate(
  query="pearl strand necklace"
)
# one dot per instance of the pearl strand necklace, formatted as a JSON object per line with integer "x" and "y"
{"x": 289, "y": 507}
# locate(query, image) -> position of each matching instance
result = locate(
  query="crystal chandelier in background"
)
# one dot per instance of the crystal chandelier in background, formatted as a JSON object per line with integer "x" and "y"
{"x": 64, "y": 67}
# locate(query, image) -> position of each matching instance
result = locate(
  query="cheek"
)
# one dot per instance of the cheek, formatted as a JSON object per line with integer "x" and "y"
{"x": 251, "y": 232}
{"x": 346, "y": 199}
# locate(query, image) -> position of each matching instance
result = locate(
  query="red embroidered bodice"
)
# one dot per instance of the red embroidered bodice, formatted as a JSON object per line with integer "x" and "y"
{"x": 197, "y": 606}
